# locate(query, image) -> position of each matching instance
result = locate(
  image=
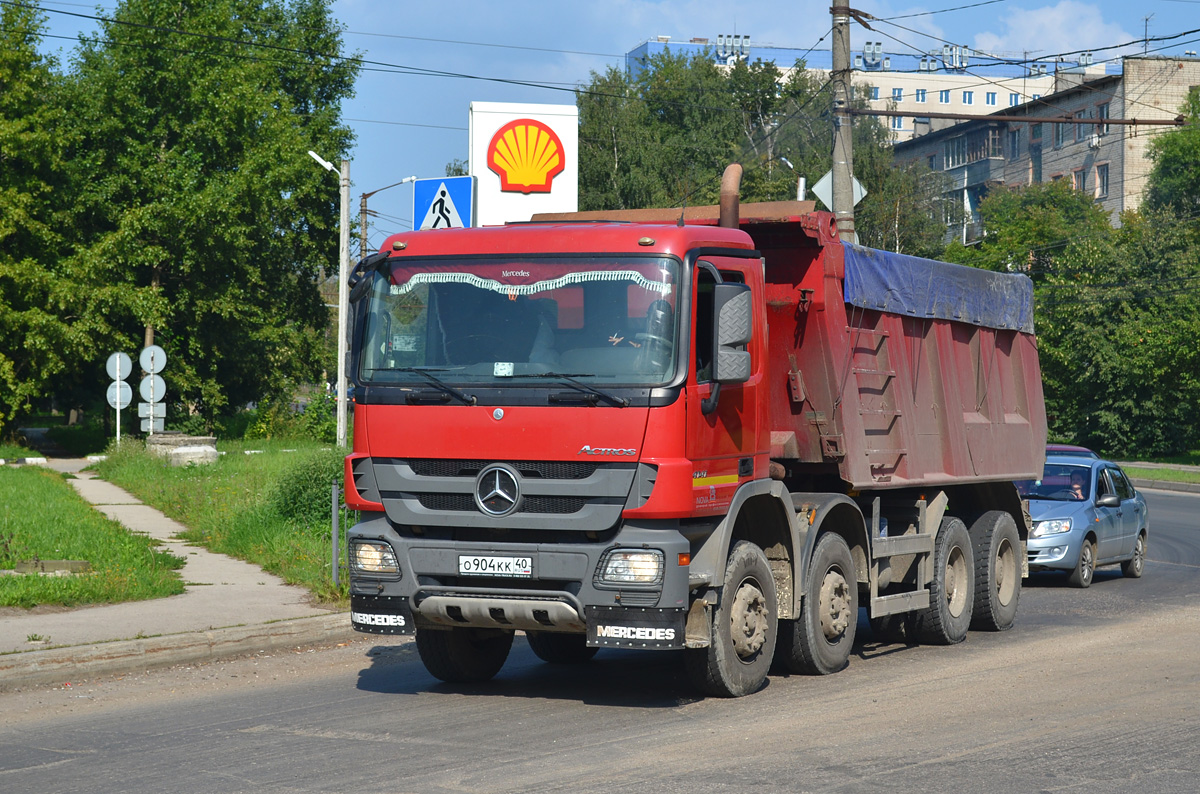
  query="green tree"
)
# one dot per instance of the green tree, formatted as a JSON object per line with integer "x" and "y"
{"x": 200, "y": 222}
{"x": 1175, "y": 178}
{"x": 39, "y": 338}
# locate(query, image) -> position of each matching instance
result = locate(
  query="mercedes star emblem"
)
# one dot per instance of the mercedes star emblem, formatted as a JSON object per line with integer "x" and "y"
{"x": 496, "y": 491}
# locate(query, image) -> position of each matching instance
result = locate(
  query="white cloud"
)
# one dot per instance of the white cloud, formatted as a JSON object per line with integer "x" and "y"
{"x": 1064, "y": 27}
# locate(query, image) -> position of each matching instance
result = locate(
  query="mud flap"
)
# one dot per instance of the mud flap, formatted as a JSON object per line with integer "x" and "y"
{"x": 381, "y": 614}
{"x": 630, "y": 627}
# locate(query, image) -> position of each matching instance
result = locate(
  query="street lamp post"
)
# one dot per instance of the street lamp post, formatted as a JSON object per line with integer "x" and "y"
{"x": 343, "y": 289}
{"x": 800, "y": 181}
{"x": 363, "y": 213}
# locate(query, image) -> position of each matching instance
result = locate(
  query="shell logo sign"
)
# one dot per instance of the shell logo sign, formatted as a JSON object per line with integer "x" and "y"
{"x": 526, "y": 154}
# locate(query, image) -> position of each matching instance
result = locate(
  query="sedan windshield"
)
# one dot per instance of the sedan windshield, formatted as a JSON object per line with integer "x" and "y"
{"x": 609, "y": 321}
{"x": 1059, "y": 482}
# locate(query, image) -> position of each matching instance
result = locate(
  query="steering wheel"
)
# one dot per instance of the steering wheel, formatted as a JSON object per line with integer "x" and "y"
{"x": 657, "y": 342}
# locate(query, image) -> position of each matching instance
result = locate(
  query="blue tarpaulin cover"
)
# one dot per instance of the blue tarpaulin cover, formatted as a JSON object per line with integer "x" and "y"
{"x": 917, "y": 287}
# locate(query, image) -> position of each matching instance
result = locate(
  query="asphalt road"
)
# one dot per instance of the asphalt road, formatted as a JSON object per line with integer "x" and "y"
{"x": 1095, "y": 690}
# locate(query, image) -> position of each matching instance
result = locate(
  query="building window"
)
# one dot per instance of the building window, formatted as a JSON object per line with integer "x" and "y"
{"x": 1035, "y": 132}
{"x": 933, "y": 162}
{"x": 874, "y": 92}
{"x": 1014, "y": 100}
{"x": 1059, "y": 134}
{"x": 944, "y": 97}
{"x": 1035, "y": 164}
{"x": 1079, "y": 180}
{"x": 1102, "y": 181}
{"x": 1014, "y": 143}
{"x": 1037, "y": 97}
{"x": 1081, "y": 130}
{"x": 991, "y": 97}
{"x": 968, "y": 97}
{"x": 921, "y": 95}
{"x": 898, "y": 94}
{"x": 1102, "y": 113}
{"x": 897, "y": 122}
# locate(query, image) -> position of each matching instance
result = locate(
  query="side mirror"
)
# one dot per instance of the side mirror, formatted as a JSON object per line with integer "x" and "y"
{"x": 733, "y": 317}
{"x": 1109, "y": 500}
{"x": 358, "y": 281}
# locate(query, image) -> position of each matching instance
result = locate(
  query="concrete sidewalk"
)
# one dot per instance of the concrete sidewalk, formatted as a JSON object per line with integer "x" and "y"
{"x": 230, "y": 607}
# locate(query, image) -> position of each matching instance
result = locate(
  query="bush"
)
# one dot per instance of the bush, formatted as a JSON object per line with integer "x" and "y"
{"x": 87, "y": 438}
{"x": 319, "y": 420}
{"x": 304, "y": 490}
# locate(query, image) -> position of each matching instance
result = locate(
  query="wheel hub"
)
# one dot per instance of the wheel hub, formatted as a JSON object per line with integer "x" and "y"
{"x": 835, "y": 605}
{"x": 749, "y": 616}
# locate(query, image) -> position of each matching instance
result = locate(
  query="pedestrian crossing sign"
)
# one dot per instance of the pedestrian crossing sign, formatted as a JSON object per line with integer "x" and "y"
{"x": 444, "y": 202}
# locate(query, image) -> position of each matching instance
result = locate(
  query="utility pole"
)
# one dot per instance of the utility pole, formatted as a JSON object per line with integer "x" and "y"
{"x": 843, "y": 153}
{"x": 343, "y": 301}
{"x": 363, "y": 212}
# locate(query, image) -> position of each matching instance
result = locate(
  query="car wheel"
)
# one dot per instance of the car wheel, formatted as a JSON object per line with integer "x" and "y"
{"x": 1133, "y": 567}
{"x": 744, "y": 628}
{"x": 1085, "y": 568}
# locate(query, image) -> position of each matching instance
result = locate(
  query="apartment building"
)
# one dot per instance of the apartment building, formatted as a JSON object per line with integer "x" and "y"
{"x": 950, "y": 80}
{"x": 1107, "y": 161}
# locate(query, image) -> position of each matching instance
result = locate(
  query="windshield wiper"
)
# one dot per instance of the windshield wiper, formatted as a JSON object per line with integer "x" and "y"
{"x": 469, "y": 399}
{"x": 620, "y": 402}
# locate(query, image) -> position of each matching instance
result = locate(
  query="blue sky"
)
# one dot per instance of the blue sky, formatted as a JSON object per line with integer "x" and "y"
{"x": 414, "y": 124}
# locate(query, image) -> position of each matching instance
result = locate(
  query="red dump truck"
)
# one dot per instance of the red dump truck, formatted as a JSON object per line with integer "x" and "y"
{"x": 716, "y": 430}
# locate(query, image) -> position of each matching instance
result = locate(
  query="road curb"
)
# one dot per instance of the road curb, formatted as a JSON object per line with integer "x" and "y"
{"x": 58, "y": 665}
{"x": 1166, "y": 485}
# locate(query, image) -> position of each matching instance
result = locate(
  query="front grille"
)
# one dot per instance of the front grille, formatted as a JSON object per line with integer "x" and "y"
{"x": 561, "y": 505}
{"x": 544, "y": 469}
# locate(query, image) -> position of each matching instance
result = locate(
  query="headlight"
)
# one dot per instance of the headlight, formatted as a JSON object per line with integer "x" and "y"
{"x": 377, "y": 558}
{"x": 629, "y": 566}
{"x": 1054, "y": 527}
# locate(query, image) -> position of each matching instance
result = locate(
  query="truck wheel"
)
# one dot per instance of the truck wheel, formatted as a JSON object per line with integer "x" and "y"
{"x": 560, "y": 648}
{"x": 462, "y": 655}
{"x": 952, "y": 592}
{"x": 1133, "y": 567}
{"x": 819, "y": 641}
{"x": 744, "y": 628}
{"x": 997, "y": 571}
{"x": 1085, "y": 567}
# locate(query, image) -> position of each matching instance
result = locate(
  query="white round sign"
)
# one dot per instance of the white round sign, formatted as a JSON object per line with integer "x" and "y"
{"x": 119, "y": 366}
{"x": 153, "y": 359}
{"x": 153, "y": 388}
{"x": 120, "y": 393}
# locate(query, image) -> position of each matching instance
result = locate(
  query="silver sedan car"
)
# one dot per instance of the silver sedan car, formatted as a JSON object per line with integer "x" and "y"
{"x": 1085, "y": 514}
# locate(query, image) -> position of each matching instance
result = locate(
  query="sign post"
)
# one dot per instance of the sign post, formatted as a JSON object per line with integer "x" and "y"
{"x": 119, "y": 394}
{"x": 152, "y": 389}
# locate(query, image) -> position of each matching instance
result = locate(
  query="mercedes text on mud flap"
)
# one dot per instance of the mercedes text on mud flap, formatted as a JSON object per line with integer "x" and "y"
{"x": 724, "y": 436}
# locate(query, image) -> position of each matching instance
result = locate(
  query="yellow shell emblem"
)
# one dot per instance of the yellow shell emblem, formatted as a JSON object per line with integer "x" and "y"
{"x": 526, "y": 155}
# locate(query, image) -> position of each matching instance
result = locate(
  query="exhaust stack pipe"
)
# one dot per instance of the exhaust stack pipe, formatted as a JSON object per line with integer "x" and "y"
{"x": 731, "y": 184}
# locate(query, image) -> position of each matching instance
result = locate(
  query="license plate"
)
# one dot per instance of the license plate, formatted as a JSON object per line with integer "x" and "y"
{"x": 476, "y": 565}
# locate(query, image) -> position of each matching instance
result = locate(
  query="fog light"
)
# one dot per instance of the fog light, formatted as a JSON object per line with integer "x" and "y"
{"x": 374, "y": 558}
{"x": 629, "y": 566}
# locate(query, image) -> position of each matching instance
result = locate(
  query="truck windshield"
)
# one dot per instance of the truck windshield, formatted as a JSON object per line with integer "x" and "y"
{"x": 611, "y": 321}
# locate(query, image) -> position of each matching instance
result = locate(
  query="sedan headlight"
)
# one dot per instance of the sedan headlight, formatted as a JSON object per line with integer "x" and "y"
{"x": 376, "y": 558}
{"x": 1055, "y": 526}
{"x": 630, "y": 566}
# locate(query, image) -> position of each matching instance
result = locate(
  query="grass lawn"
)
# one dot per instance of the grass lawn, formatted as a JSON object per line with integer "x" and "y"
{"x": 271, "y": 508}
{"x": 12, "y": 452}
{"x": 41, "y": 517}
{"x": 1165, "y": 475}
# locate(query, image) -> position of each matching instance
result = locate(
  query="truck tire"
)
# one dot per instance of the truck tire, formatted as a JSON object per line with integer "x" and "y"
{"x": 820, "y": 640}
{"x": 952, "y": 592}
{"x": 462, "y": 655}
{"x": 997, "y": 571}
{"x": 744, "y": 628}
{"x": 555, "y": 648}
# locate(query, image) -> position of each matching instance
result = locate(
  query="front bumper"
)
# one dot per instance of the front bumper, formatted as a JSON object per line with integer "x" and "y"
{"x": 563, "y": 593}
{"x": 1055, "y": 552}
